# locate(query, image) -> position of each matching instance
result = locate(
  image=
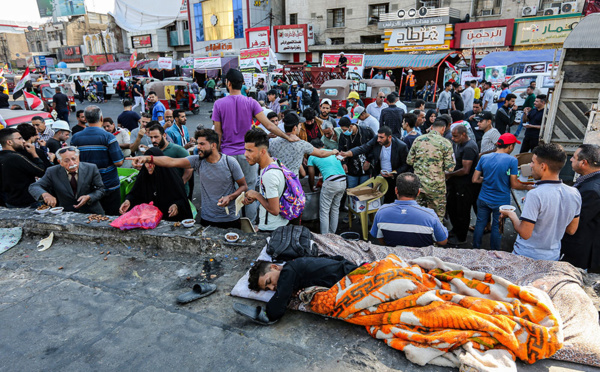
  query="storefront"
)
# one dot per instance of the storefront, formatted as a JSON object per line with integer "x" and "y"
{"x": 543, "y": 32}
{"x": 484, "y": 37}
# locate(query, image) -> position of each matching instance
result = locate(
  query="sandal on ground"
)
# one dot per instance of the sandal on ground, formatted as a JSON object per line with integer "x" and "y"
{"x": 255, "y": 313}
{"x": 198, "y": 291}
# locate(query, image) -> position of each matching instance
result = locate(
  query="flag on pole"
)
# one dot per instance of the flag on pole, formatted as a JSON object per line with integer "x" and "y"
{"x": 258, "y": 65}
{"x": 452, "y": 67}
{"x": 473, "y": 63}
{"x": 149, "y": 73}
{"x": 25, "y": 78}
{"x": 33, "y": 101}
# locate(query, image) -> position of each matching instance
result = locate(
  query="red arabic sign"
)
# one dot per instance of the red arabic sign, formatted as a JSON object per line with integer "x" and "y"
{"x": 97, "y": 60}
{"x": 141, "y": 41}
{"x": 254, "y": 53}
{"x": 291, "y": 39}
{"x": 219, "y": 47}
{"x": 258, "y": 37}
{"x": 70, "y": 54}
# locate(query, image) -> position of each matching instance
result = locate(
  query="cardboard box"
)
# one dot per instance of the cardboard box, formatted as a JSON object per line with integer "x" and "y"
{"x": 526, "y": 170}
{"x": 361, "y": 194}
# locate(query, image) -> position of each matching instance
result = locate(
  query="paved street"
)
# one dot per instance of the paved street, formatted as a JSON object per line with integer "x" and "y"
{"x": 69, "y": 309}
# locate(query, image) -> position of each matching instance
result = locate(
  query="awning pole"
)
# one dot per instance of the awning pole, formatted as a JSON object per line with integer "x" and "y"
{"x": 438, "y": 74}
{"x": 401, "y": 82}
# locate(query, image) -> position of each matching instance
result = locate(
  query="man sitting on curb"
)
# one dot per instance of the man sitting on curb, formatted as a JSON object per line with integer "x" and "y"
{"x": 76, "y": 186}
{"x": 404, "y": 222}
{"x": 286, "y": 280}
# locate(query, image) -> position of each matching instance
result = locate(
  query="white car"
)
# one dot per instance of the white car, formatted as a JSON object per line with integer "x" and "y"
{"x": 86, "y": 76}
{"x": 518, "y": 84}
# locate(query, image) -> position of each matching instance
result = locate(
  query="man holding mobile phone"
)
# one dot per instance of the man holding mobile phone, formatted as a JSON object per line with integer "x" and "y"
{"x": 532, "y": 122}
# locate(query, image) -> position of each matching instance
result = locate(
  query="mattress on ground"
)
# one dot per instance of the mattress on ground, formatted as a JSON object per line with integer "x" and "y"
{"x": 560, "y": 280}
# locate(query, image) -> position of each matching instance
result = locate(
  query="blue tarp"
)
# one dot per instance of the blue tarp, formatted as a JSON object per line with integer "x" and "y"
{"x": 519, "y": 56}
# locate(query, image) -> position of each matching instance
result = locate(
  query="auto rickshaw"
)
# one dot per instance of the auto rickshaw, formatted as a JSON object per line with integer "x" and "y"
{"x": 337, "y": 90}
{"x": 174, "y": 95}
{"x": 369, "y": 88}
{"x": 45, "y": 93}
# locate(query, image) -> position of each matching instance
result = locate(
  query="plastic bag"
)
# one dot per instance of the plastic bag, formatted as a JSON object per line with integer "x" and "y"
{"x": 143, "y": 216}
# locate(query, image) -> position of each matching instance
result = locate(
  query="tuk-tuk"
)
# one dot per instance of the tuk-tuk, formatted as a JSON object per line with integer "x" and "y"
{"x": 45, "y": 92}
{"x": 169, "y": 91}
{"x": 369, "y": 88}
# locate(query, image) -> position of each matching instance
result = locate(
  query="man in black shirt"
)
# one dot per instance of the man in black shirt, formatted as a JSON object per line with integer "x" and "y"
{"x": 60, "y": 103}
{"x": 461, "y": 192}
{"x": 457, "y": 101}
{"x": 138, "y": 96}
{"x": 295, "y": 275}
{"x": 532, "y": 122}
{"x": 62, "y": 132}
{"x": 505, "y": 116}
{"x": 81, "y": 122}
{"x": 392, "y": 116}
{"x": 3, "y": 100}
{"x": 16, "y": 171}
{"x": 129, "y": 119}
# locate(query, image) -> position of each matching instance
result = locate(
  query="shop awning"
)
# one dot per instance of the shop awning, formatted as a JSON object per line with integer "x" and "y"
{"x": 413, "y": 61}
{"x": 519, "y": 56}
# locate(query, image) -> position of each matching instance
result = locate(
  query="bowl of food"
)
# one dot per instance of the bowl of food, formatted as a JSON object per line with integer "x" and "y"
{"x": 232, "y": 237}
{"x": 507, "y": 208}
{"x": 56, "y": 210}
{"x": 42, "y": 209}
{"x": 188, "y": 223}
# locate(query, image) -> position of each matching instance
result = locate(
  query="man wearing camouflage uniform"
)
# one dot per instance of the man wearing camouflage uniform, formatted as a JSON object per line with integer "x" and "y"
{"x": 431, "y": 156}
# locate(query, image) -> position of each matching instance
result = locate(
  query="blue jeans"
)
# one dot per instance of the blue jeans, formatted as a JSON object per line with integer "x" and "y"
{"x": 519, "y": 129}
{"x": 483, "y": 217}
{"x": 354, "y": 181}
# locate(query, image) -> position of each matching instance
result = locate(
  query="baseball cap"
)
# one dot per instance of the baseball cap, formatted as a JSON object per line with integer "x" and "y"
{"x": 507, "y": 139}
{"x": 279, "y": 81}
{"x": 60, "y": 125}
{"x": 359, "y": 110}
{"x": 486, "y": 115}
{"x": 326, "y": 100}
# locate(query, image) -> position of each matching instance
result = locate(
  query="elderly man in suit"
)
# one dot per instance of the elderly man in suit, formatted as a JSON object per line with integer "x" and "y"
{"x": 76, "y": 186}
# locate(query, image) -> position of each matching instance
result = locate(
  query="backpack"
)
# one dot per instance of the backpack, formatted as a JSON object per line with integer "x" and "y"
{"x": 306, "y": 97}
{"x": 291, "y": 202}
{"x": 290, "y": 242}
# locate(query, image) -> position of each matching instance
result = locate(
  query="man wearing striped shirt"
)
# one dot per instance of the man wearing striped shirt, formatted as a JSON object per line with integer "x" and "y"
{"x": 406, "y": 223}
{"x": 99, "y": 147}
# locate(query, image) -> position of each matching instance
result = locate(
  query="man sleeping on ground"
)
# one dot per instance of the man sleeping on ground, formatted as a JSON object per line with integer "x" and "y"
{"x": 434, "y": 311}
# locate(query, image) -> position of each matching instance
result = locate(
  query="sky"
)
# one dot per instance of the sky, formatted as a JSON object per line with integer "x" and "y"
{"x": 27, "y": 10}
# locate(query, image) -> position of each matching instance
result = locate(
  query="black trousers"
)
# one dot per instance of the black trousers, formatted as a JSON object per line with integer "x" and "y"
{"x": 110, "y": 202}
{"x": 460, "y": 200}
{"x": 390, "y": 195}
{"x": 529, "y": 144}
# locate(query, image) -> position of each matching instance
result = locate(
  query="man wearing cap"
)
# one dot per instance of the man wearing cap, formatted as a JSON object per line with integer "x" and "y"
{"x": 342, "y": 61}
{"x": 76, "y": 186}
{"x": 392, "y": 116}
{"x": 62, "y": 132}
{"x": 353, "y": 101}
{"x": 411, "y": 81}
{"x": 293, "y": 95}
{"x": 324, "y": 110}
{"x": 366, "y": 120}
{"x": 374, "y": 108}
{"x": 490, "y": 134}
{"x": 497, "y": 173}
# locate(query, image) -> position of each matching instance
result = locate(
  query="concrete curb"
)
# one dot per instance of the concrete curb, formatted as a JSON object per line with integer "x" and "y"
{"x": 75, "y": 226}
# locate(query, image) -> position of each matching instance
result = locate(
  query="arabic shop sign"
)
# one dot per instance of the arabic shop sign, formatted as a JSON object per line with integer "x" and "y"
{"x": 418, "y": 38}
{"x": 291, "y": 39}
{"x": 483, "y": 37}
{"x": 356, "y": 62}
{"x": 441, "y": 20}
{"x": 258, "y": 37}
{"x": 207, "y": 63}
{"x": 544, "y": 31}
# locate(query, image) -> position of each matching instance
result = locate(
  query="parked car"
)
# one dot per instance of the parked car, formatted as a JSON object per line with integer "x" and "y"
{"x": 518, "y": 83}
{"x": 166, "y": 90}
{"x": 16, "y": 117}
{"x": 86, "y": 76}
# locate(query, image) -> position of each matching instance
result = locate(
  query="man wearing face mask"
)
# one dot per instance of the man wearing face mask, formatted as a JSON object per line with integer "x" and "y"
{"x": 219, "y": 176}
{"x": 357, "y": 167}
{"x": 73, "y": 185}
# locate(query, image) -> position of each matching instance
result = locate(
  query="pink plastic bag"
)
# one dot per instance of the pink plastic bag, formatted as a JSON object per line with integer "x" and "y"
{"x": 143, "y": 216}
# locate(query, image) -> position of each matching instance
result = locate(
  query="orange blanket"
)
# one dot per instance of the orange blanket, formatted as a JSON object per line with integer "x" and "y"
{"x": 433, "y": 308}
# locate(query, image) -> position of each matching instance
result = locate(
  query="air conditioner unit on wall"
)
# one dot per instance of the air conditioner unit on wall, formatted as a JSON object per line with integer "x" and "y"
{"x": 529, "y": 11}
{"x": 551, "y": 11}
{"x": 486, "y": 12}
{"x": 569, "y": 7}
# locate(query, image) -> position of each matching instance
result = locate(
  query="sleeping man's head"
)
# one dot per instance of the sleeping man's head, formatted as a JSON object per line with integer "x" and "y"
{"x": 264, "y": 276}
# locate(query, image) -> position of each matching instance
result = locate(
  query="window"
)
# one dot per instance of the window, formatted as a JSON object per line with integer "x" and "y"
{"x": 185, "y": 25}
{"x": 294, "y": 19}
{"x": 337, "y": 40}
{"x": 199, "y": 22}
{"x": 378, "y": 9}
{"x": 374, "y": 39}
{"x": 336, "y": 18}
{"x": 489, "y": 7}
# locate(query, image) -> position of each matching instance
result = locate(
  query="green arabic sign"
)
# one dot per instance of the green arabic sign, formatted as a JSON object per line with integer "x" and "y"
{"x": 544, "y": 31}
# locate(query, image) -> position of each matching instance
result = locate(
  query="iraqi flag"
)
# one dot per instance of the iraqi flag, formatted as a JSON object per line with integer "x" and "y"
{"x": 149, "y": 73}
{"x": 19, "y": 88}
{"x": 452, "y": 67}
{"x": 33, "y": 101}
{"x": 132, "y": 60}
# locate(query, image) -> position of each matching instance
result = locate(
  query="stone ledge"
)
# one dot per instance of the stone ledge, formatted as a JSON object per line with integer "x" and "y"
{"x": 75, "y": 226}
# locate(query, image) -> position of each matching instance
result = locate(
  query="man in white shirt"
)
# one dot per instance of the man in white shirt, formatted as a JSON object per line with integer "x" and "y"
{"x": 374, "y": 108}
{"x": 468, "y": 96}
{"x": 488, "y": 96}
{"x": 366, "y": 120}
{"x": 444, "y": 103}
{"x": 272, "y": 181}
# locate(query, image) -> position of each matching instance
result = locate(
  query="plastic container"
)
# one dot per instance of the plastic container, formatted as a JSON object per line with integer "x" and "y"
{"x": 56, "y": 210}
{"x": 188, "y": 223}
{"x": 232, "y": 237}
{"x": 127, "y": 178}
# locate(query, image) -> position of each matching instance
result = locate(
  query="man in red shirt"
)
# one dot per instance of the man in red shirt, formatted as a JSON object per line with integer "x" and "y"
{"x": 121, "y": 88}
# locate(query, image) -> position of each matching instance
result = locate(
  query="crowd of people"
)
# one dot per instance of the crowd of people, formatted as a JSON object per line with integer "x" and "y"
{"x": 439, "y": 164}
